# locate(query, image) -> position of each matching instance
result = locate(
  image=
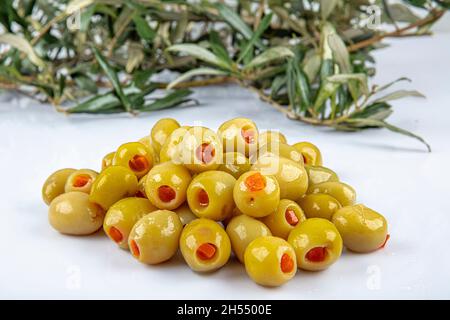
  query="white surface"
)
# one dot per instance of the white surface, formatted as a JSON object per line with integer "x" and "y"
{"x": 393, "y": 174}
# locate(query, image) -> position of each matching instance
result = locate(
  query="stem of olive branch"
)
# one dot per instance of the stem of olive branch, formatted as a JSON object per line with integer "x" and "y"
{"x": 435, "y": 15}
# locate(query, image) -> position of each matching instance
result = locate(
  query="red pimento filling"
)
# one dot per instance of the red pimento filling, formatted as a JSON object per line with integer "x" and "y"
{"x": 305, "y": 159}
{"x": 255, "y": 182}
{"x": 291, "y": 217}
{"x": 81, "y": 180}
{"x": 134, "y": 248}
{"x": 317, "y": 254}
{"x": 205, "y": 153}
{"x": 203, "y": 198}
{"x": 248, "y": 135}
{"x": 138, "y": 163}
{"x": 166, "y": 193}
{"x": 115, "y": 234}
{"x": 206, "y": 251}
{"x": 287, "y": 263}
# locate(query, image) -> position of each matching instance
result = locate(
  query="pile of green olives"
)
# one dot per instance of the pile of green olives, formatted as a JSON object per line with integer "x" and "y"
{"x": 216, "y": 194}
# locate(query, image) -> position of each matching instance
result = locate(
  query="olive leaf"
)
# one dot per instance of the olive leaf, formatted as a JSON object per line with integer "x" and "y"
{"x": 200, "y": 53}
{"x": 326, "y": 7}
{"x": 400, "y": 94}
{"x": 196, "y": 72}
{"x": 264, "y": 24}
{"x": 269, "y": 56}
{"x": 24, "y": 46}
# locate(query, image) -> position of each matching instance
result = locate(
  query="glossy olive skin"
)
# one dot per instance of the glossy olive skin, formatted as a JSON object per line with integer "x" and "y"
{"x": 210, "y": 195}
{"x": 277, "y": 221}
{"x": 107, "y": 160}
{"x": 167, "y": 175}
{"x": 155, "y": 237}
{"x": 262, "y": 260}
{"x": 234, "y": 132}
{"x": 161, "y": 131}
{"x": 185, "y": 214}
{"x": 122, "y": 216}
{"x": 318, "y": 175}
{"x": 55, "y": 185}
{"x": 267, "y": 137}
{"x": 311, "y": 153}
{"x": 112, "y": 185}
{"x": 291, "y": 176}
{"x": 127, "y": 152}
{"x": 342, "y": 192}
{"x": 147, "y": 141}
{"x": 196, "y": 140}
{"x": 72, "y": 213}
{"x": 203, "y": 231}
{"x": 319, "y": 205}
{"x": 141, "y": 188}
{"x": 362, "y": 229}
{"x": 172, "y": 149}
{"x": 89, "y": 177}
{"x": 242, "y": 230}
{"x": 279, "y": 149}
{"x": 256, "y": 203}
{"x": 235, "y": 164}
{"x": 316, "y": 233}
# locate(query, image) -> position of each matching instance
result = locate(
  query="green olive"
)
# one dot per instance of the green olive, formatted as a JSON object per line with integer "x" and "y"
{"x": 318, "y": 175}
{"x": 166, "y": 185}
{"x": 256, "y": 194}
{"x": 205, "y": 246}
{"x": 185, "y": 214}
{"x": 317, "y": 244}
{"x": 342, "y": 192}
{"x": 291, "y": 176}
{"x": 72, "y": 213}
{"x": 134, "y": 156}
{"x": 270, "y": 261}
{"x": 107, "y": 160}
{"x": 287, "y": 216}
{"x": 242, "y": 230}
{"x": 173, "y": 147}
{"x": 112, "y": 185}
{"x": 235, "y": 164}
{"x": 311, "y": 153}
{"x": 361, "y": 228}
{"x": 278, "y": 149}
{"x": 155, "y": 237}
{"x": 239, "y": 135}
{"x": 319, "y": 205}
{"x": 55, "y": 184}
{"x": 201, "y": 150}
{"x": 147, "y": 141}
{"x": 122, "y": 216}
{"x": 210, "y": 195}
{"x": 267, "y": 137}
{"x": 161, "y": 131}
{"x": 81, "y": 180}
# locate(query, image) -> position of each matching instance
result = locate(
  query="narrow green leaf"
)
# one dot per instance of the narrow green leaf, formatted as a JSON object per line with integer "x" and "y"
{"x": 400, "y": 94}
{"x": 270, "y": 55}
{"x": 326, "y": 91}
{"x": 233, "y": 19}
{"x": 196, "y": 72}
{"x": 361, "y": 78}
{"x": 143, "y": 28}
{"x": 112, "y": 75}
{"x": 95, "y": 104}
{"x": 200, "y": 53}
{"x": 171, "y": 100}
{"x": 218, "y": 47}
{"x": 378, "y": 111}
{"x": 263, "y": 25}
{"x": 22, "y": 45}
{"x": 386, "y": 86}
{"x": 384, "y": 124}
{"x": 141, "y": 78}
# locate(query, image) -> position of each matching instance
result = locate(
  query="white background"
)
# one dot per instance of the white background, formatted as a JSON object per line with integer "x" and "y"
{"x": 391, "y": 173}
